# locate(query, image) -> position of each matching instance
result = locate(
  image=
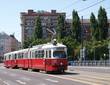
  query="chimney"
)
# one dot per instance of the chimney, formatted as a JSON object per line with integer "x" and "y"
{"x": 30, "y": 11}
{"x": 53, "y": 11}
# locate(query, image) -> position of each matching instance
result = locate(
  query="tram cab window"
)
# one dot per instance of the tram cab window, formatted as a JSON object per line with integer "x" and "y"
{"x": 59, "y": 54}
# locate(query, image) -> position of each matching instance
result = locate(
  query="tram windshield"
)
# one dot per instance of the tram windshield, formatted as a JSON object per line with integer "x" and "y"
{"x": 59, "y": 54}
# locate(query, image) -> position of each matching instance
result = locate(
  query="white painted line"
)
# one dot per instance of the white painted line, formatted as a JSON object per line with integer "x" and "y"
{"x": 77, "y": 80}
{"x": 6, "y": 83}
{"x": 25, "y": 78}
{"x": 42, "y": 84}
{"x": 51, "y": 80}
{"x": 5, "y": 72}
{"x": 21, "y": 82}
{"x": 12, "y": 74}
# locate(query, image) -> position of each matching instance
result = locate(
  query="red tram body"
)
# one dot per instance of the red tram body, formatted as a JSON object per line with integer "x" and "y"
{"x": 48, "y": 57}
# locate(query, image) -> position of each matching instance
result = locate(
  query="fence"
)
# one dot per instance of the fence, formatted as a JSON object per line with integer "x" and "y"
{"x": 90, "y": 63}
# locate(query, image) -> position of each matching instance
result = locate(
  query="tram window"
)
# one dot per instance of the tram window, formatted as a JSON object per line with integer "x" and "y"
{"x": 4, "y": 57}
{"x": 12, "y": 56}
{"x": 49, "y": 54}
{"x": 9, "y": 57}
{"x": 22, "y": 55}
{"x": 32, "y": 54}
{"x": 38, "y": 54}
{"x": 42, "y": 53}
{"x": 25, "y": 55}
{"x": 15, "y": 56}
{"x": 19, "y": 56}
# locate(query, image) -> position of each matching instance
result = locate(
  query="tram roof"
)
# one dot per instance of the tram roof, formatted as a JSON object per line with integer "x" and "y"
{"x": 42, "y": 46}
{"x": 18, "y": 51}
{"x": 48, "y": 45}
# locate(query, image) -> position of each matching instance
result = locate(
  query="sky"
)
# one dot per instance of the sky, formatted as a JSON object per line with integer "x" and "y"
{"x": 10, "y": 11}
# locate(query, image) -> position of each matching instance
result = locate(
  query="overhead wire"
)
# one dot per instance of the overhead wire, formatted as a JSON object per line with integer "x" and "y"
{"x": 91, "y": 6}
{"x": 94, "y": 4}
{"x": 70, "y": 5}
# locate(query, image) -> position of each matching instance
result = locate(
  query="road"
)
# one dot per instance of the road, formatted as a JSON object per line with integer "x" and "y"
{"x": 76, "y": 77}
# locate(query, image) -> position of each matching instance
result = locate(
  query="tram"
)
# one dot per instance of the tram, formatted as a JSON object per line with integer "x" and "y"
{"x": 50, "y": 57}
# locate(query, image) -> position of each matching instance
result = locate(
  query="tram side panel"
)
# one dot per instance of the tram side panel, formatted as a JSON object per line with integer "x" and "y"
{"x": 37, "y": 64}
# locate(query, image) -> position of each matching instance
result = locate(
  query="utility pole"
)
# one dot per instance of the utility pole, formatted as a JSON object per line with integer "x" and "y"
{"x": 81, "y": 50}
{"x": 82, "y": 31}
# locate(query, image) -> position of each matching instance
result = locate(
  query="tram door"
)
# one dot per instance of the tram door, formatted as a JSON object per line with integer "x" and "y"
{"x": 47, "y": 59}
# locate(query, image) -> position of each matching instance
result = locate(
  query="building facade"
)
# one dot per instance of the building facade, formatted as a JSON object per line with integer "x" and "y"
{"x": 86, "y": 29}
{"x": 8, "y": 44}
{"x": 48, "y": 20}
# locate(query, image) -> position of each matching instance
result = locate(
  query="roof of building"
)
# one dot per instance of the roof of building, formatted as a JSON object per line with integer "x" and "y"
{"x": 40, "y": 12}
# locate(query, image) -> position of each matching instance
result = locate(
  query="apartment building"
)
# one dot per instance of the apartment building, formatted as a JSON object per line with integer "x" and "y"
{"x": 8, "y": 43}
{"x": 48, "y": 20}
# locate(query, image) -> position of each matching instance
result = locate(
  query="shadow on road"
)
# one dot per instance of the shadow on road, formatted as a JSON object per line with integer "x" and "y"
{"x": 65, "y": 73}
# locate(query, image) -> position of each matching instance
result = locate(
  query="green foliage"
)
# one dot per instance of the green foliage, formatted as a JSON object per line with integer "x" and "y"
{"x": 76, "y": 26}
{"x": 94, "y": 27}
{"x": 27, "y": 43}
{"x": 60, "y": 27}
{"x": 39, "y": 41}
{"x": 38, "y": 29}
{"x": 102, "y": 24}
{"x": 31, "y": 42}
{"x": 71, "y": 45}
{"x": 97, "y": 49}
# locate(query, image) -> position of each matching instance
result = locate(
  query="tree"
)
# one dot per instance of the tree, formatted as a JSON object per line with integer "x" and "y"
{"x": 102, "y": 24}
{"x": 60, "y": 27}
{"x": 94, "y": 27}
{"x": 27, "y": 43}
{"x": 76, "y": 26}
{"x": 38, "y": 29}
{"x": 72, "y": 47}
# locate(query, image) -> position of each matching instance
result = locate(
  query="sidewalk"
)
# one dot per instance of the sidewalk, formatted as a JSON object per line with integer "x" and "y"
{"x": 90, "y": 69}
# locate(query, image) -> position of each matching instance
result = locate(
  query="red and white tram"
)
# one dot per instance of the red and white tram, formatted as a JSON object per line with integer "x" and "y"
{"x": 48, "y": 57}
